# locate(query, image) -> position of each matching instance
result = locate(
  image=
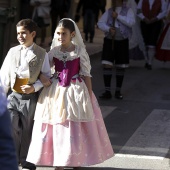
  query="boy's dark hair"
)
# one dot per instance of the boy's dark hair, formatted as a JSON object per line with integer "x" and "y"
{"x": 67, "y": 24}
{"x": 28, "y": 24}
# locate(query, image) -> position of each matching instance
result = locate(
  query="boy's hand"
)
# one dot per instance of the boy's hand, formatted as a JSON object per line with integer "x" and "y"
{"x": 27, "y": 89}
{"x": 153, "y": 20}
{"x": 112, "y": 31}
{"x": 114, "y": 14}
{"x": 146, "y": 20}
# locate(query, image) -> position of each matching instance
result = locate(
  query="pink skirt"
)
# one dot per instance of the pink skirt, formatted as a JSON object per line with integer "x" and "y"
{"x": 71, "y": 144}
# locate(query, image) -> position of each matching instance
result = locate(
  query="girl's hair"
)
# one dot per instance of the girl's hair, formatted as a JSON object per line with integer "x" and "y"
{"x": 28, "y": 24}
{"x": 65, "y": 23}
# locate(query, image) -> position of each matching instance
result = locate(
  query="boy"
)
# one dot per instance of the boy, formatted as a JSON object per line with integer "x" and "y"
{"x": 117, "y": 24}
{"x": 19, "y": 72}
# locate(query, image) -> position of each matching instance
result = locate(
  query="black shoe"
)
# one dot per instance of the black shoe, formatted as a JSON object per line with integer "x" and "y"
{"x": 106, "y": 95}
{"x": 148, "y": 66}
{"x": 118, "y": 95}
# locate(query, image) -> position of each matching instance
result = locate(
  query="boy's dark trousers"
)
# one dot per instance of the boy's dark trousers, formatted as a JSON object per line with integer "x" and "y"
{"x": 22, "y": 108}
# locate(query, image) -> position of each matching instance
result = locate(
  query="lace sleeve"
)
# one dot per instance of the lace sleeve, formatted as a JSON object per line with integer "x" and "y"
{"x": 50, "y": 56}
{"x": 85, "y": 66}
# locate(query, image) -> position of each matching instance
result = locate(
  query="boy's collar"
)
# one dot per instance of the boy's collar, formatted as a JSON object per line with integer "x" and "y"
{"x": 28, "y": 48}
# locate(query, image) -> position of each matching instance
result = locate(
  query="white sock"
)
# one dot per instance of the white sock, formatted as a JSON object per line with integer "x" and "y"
{"x": 151, "y": 55}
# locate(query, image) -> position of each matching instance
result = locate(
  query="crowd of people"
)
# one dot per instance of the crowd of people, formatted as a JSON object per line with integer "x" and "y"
{"x": 133, "y": 30}
{"x": 63, "y": 122}
{"x": 55, "y": 117}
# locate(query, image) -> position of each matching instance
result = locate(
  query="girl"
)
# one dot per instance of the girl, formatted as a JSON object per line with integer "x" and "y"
{"x": 69, "y": 130}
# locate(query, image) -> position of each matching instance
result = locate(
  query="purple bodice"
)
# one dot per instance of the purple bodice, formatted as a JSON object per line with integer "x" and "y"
{"x": 66, "y": 70}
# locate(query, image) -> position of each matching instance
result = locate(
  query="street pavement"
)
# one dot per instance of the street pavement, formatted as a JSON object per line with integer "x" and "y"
{"x": 138, "y": 125}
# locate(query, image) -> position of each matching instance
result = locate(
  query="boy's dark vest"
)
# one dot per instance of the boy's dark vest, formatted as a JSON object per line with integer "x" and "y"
{"x": 35, "y": 63}
{"x": 154, "y": 11}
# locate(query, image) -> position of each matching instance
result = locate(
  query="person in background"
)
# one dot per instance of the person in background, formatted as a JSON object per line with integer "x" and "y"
{"x": 69, "y": 130}
{"x": 59, "y": 10}
{"x": 102, "y": 8}
{"x": 26, "y": 9}
{"x": 41, "y": 15}
{"x": 163, "y": 45}
{"x": 136, "y": 43}
{"x": 89, "y": 11}
{"x": 20, "y": 72}
{"x": 151, "y": 14}
{"x": 117, "y": 24}
{"x": 8, "y": 158}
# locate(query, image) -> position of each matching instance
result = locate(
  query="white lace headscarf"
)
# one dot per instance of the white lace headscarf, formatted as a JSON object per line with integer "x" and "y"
{"x": 3, "y": 100}
{"x": 76, "y": 40}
